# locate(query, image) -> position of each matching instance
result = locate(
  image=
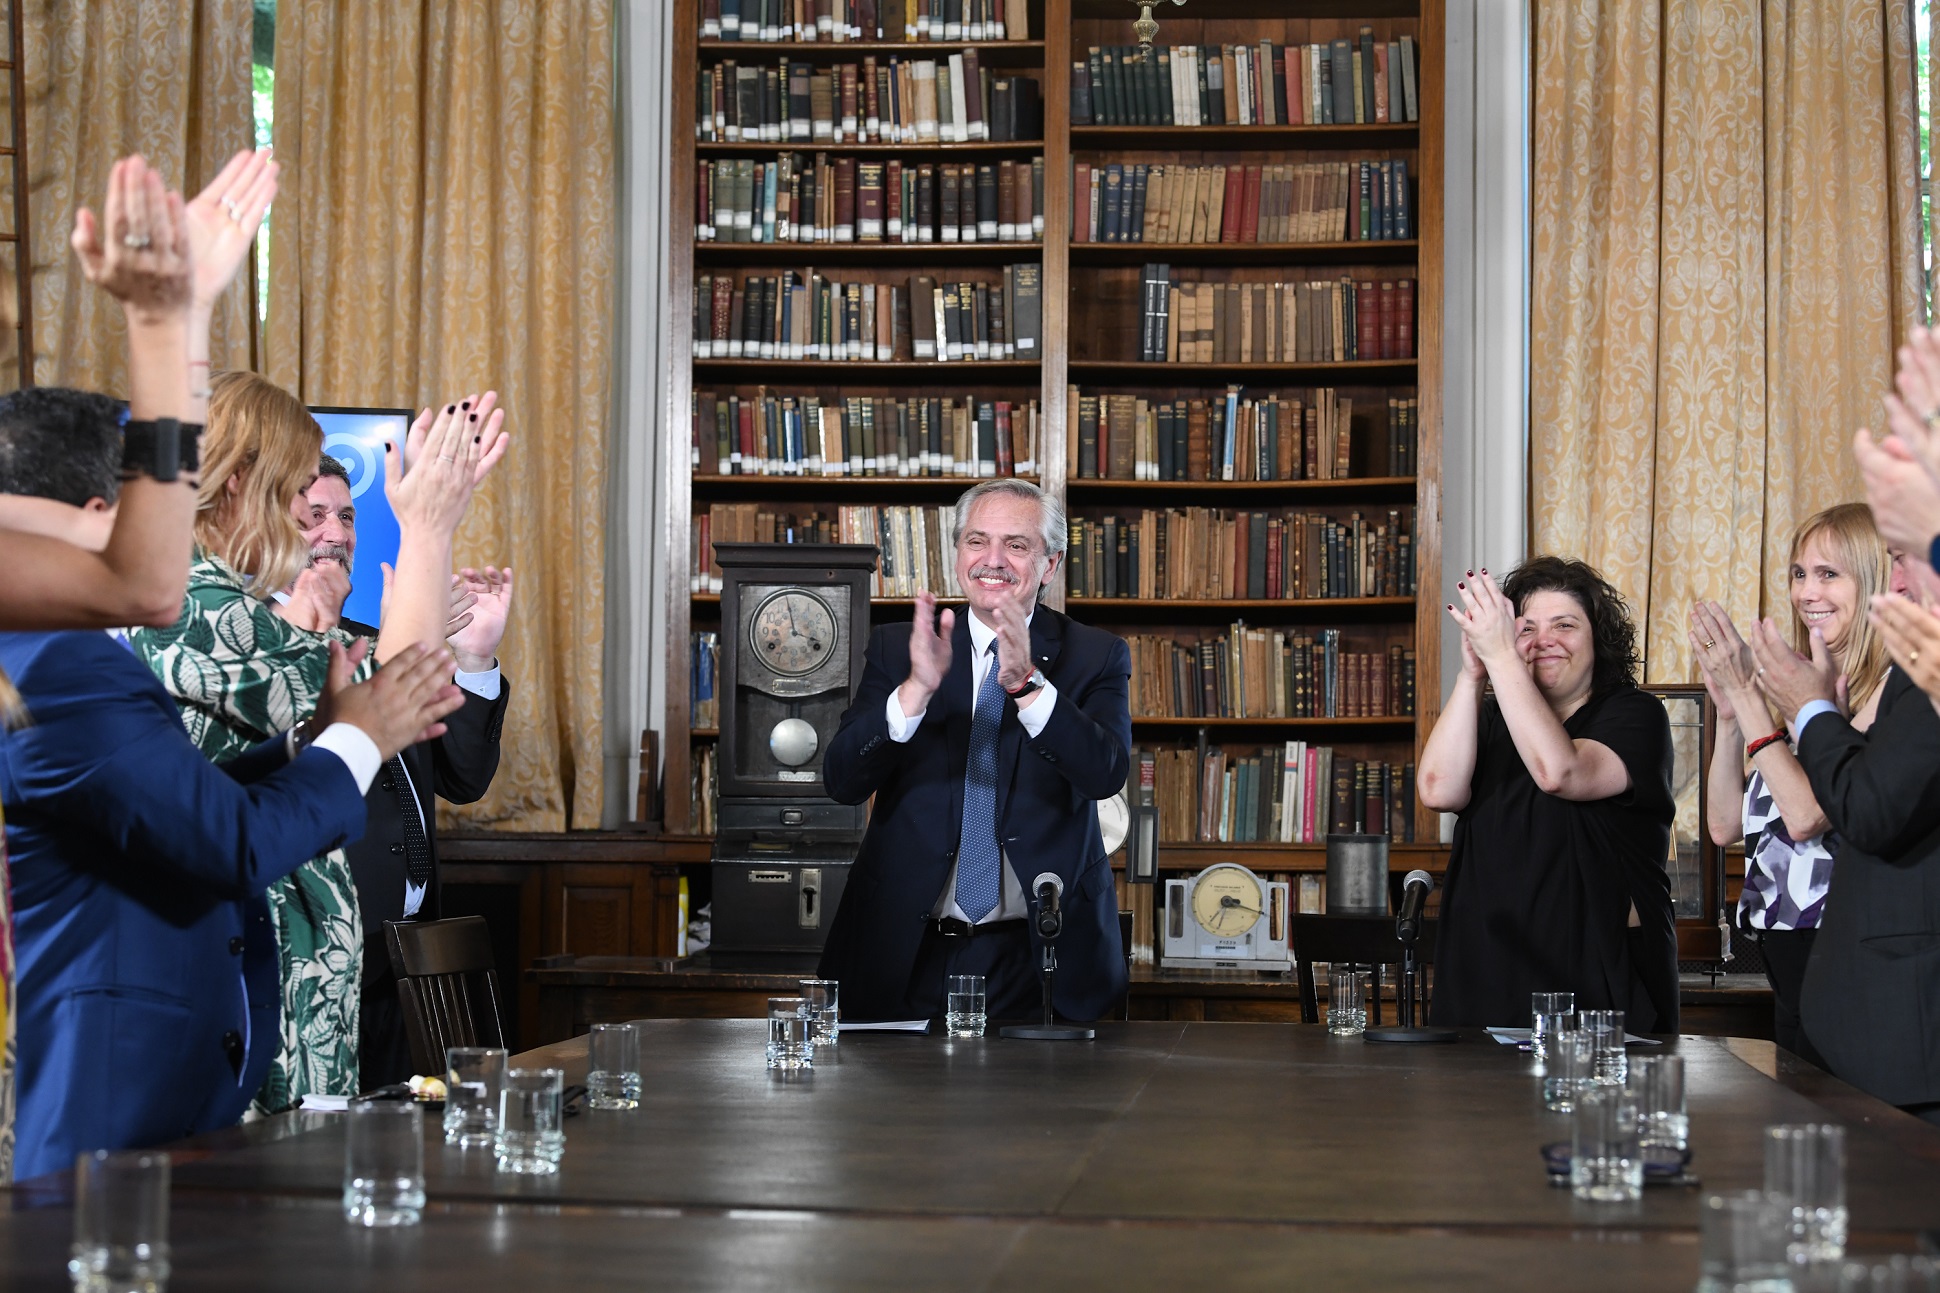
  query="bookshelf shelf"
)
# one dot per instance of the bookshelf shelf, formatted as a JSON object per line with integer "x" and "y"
{"x": 1341, "y": 372}
{"x": 1403, "y": 722}
{"x": 1393, "y": 251}
{"x": 704, "y": 733}
{"x": 1243, "y": 138}
{"x": 846, "y": 371}
{"x": 831, "y": 486}
{"x": 990, "y": 53}
{"x": 1384, "y": 489}
{"x": 864, "y": 253}
{"x": 976, "y": 147}
{"x": 1325, "y": 611}
{"x": 714, "y": 599}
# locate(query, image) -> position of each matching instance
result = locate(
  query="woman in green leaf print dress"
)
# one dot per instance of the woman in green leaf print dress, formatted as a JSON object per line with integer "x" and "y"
{"x": 241, "y": 674}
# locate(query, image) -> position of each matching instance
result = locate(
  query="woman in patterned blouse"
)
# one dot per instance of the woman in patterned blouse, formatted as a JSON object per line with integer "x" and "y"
{"x": 241, "y": 674}
{"x": 1838, "y": 562}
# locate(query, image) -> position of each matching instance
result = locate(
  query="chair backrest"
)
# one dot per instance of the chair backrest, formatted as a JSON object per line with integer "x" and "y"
{"x": 1125, "y": 941}
{"x": 446, "y": 985}
{"x": 1352, "y": 940}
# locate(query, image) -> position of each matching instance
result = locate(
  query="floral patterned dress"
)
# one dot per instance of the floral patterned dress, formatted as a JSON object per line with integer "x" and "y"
{"x": 241, "y": 675}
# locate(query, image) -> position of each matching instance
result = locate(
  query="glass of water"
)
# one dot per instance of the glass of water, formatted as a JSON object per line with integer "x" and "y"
{"x": 531, "y": 1139}
{"x": 790, "y": 1044}
{"x": 1742, "y": 1244}
{"x": 1346, "y": 1002}
{"x": 1657, "y": 1084}
{"x": 120, "y": 1222}
{"x": 384, "y": 1163}
{"x": 613, "y": 1067}
{"x": 963, "y": 1014}
{"x": 473, "y": 1076}
{"x": 1805, "y": 1164}
{"x": 1572, "y": 1060}
{"x": 1612, "y": 1063}
{"x": 824, "y": 1010}
{"x": 1549, "y": 1012}
{"x": 1606, "y": 1165}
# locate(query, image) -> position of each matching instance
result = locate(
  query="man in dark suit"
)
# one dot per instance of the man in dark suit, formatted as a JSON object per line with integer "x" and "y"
{"x": 395, "y": 864}
{"x": 147, "y": 966}
{"x": 987, "y": 739}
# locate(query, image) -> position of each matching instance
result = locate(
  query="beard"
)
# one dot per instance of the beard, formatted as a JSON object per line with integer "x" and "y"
{"x": 336, "y": 552}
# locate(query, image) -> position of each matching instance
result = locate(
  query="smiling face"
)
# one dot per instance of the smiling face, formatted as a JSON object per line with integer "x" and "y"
{"x": 1553, "y": 635}
{"x": 1824, "y": 595}
{"x": 328, "y": 520}
{"x": 1001, "y": 556}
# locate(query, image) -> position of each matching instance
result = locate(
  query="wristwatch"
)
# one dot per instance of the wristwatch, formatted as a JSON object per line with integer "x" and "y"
{"x": 297, "y": 740}
{"x": 162, "y": 449}
{"x": 1030, "y": 684}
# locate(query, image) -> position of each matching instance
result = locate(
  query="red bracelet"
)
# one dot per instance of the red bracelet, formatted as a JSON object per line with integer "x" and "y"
{"x": 1751, "y": 751}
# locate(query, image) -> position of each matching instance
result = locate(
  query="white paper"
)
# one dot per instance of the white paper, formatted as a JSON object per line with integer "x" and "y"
{"x": 1521, "y": 1036}
{"x": 885, "y": 1026}
{"x": 324, "y": 1104}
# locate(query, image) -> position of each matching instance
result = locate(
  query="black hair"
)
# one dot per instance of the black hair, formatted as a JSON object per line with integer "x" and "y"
{"x": 60, "y": 444}
{"x": 329, "y": 466}
{"x": 1612, "y": 634}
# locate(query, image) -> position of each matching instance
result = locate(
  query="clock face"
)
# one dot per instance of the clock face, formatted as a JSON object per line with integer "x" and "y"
{"x": 792, "y": 633}
{"x": 1226, "y": 901}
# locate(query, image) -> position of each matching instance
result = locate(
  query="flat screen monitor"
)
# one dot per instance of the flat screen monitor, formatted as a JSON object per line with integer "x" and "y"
{"x": 356, "y": 438}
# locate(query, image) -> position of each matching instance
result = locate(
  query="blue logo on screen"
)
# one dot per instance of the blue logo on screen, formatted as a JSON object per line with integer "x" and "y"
{"x": 356, "y": 439}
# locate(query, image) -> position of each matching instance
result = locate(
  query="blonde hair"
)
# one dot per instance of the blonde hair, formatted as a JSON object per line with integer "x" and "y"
{"x": 261, "y": 435}
{"x": 1852, "y": 541}
{"x": 13, "y": 710}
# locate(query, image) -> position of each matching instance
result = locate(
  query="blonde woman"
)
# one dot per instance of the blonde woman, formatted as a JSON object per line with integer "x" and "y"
{"x": 1838, "y": 563}
{"x": 241, "y": 673}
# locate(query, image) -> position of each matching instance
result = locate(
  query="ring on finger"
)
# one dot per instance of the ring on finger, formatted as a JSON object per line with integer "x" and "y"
{"x": 137, "y": 241}
{"x": 233, "y": 209}
{"x": 1913, "y": 658}
{"x": 1709, "y": 644}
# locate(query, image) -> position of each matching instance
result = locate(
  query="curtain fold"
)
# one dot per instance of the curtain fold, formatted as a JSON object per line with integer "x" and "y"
{"x": 1725, "y": 207}
{"x": 446, "y": 225}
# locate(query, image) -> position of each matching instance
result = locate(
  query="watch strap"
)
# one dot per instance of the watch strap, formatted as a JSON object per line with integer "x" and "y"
{"x": 161, "y": 449}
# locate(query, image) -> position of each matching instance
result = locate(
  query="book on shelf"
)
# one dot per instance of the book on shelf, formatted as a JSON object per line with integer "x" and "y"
{"x": 1289, "y": 793}
{"x": 858, "y": 435}
{"x": 838, "y": 21}
{"x": 797, "y": 198}
{"x": 805, "y": 315}
{"x": 891, "y": 100}
{"x": 1365, "y": 81}
{"x": 1255, "y": 672}
{"x": 705, "y": 796}
{"x": 704, "y": 667}
{"x": 914, "y": 541}
{"x": 1293, "y": 202}
{"x": 1194, "y": 321}
{"x": 1216, "y": 554}
{"x": 1245, "y": 435}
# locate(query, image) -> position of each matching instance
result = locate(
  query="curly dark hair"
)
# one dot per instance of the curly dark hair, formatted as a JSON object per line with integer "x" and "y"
{"x": 1611, "y": 631}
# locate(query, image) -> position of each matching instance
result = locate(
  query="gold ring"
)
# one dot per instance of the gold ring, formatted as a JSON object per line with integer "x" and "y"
{"x": 1913, "y": 660}
{"x": 1932, "y": 418}
{"x": 1709, "y": 644}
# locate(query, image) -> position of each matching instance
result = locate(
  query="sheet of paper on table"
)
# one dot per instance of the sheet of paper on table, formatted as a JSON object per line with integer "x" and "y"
{"x": 1520, "y": 1037}
{"x": 314, "y": 1103}
{"x": 885, "y": 1026}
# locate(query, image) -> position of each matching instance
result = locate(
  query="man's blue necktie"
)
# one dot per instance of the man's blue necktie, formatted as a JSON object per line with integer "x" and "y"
{"x": 977, "y": 856}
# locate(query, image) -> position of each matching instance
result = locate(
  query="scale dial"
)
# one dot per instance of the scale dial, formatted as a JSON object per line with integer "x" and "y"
{"x": 1226, "y": 901}
{"x": 792, "y": 633}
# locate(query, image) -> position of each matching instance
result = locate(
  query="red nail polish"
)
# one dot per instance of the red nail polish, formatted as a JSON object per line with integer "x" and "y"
{"x": 1461, "y": 585}
{"x": 1471, "y": 574}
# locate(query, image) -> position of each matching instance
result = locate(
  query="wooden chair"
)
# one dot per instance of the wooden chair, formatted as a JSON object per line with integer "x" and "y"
{"x": 446, "y": 985}
{"x": 1354, "y": 940}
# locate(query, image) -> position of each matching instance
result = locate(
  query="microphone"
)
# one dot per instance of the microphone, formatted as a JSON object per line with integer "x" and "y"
{"x": 1048, "y": 888}
{"x": 1414, "y": 896}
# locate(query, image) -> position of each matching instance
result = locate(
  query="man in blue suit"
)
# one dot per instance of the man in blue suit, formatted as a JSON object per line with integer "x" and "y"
{"x": 986, "y": 739}
{"x": 147, "y": 967}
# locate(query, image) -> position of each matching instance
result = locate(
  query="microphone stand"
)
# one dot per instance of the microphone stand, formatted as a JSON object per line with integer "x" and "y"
{"x": 1405, "y": 1000}
{"x": 1049, "y": 926}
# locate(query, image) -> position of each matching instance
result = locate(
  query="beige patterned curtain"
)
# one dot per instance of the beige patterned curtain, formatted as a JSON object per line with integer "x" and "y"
{"x": 1726, "y": 251}
{"x": 446, "y": 224}
{"x": 168, "y": 79}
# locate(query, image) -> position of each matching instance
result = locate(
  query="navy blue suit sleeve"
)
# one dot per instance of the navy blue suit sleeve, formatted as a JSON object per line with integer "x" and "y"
{"x": 465, "y": 759}
{"x": 861, "y": 756}
{"x": 1089, "y": 736}
{"x": 257, "y": 762}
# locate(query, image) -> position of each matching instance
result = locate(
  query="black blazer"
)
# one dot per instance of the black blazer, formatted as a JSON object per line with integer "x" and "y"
{"x": 1871, "y": 1002}
{"x": 458, "y": 767}
{"x": 1047, "y": 817}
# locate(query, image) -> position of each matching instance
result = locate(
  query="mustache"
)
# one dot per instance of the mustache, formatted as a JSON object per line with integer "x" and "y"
{"x": 992, "y": 572}
{"x": 336, "y": 552}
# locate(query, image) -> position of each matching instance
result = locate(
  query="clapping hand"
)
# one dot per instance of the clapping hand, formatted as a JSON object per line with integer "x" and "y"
{"x": 144, "y": 260}
{"x": 1902, "y": 472}
{"x": 487, "y": 595}
{"x": 1912, "y": 636}
{"x": 1725, "y": 659}
{"x": 1013, "y": 646}
{"x": 929, "y": 654}
{"x": 402, "y": 702}
{"x": 429, "y": 479}
{"x": 1488, "y": 622}
{"x": 1788, "y": 679}
{"x": 317, "y": 597}
{"x": 223, "y": 219}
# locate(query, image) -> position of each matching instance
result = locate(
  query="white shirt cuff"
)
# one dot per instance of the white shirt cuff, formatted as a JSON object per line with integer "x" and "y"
{"x": 483, "y": 684}
{"x": 355, "y": 748}
{"x": 1810, "y": 710}
{"x": 902, "y": 726}
{"x": 1034, "y": 718}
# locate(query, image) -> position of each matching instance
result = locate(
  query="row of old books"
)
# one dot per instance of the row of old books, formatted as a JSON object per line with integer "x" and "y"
{"x": 800, "y": 314}
{"x": 1212, "y": 554}
{"x": 859, "y": 435}
{"x": 1290, "y": 203}
{"x": 894, "y": 101}
{"x": 811, "y": 21}
{"x": 1289, "y": 435}
{"x": 1291, "y": 793}
{"x": 1301, "y": 322}
{"x": 914, "y": 541}
{"x": 703, "y": 677}
{"x": 843, "y": 199}
{"x": 1340, "y": 82}
{"x": 1250, "y": 672}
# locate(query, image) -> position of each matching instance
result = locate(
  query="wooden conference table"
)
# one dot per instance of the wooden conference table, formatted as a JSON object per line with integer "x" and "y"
{"x": 1162, "y": 1155}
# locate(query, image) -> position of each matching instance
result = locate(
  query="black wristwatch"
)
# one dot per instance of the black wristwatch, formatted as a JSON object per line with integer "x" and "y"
{"x": 297, "y": 740}
{"x": 1031, "y": 684}
{"x": 162, "y": 449}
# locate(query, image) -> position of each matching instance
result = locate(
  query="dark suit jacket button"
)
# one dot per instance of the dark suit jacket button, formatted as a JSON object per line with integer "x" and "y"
{"x": 397, "y": 848}
{"x": 236, "y": 946}
{"x": 388, "y": 784}
{"x": 232, "y": 1046}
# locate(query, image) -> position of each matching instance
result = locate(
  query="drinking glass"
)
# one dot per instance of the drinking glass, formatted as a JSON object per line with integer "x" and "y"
{"x": 963, "y": 1015}
{"x": 1605, "y": 1165}
{"x": 530, "y": 1140}
{"x": 789, "y": 1044}
{"x": 384, "y": 1163}
{"x": 1572, "y": 1059}
{"x": 1612, "y": 1064}
{"x": 1548, "y": 1012}
{"x": 1657, "y": 1083}
{"x": 824, "y": 1010}
{"x": 120, "y": 1223}
{"x": 1805, "y": 1163}
{"x": 1346, "y": 1002}
{"x": 1742, "y": 1244}
{"x": 613, "y": 1067}
{"x": 473, "y": 1076}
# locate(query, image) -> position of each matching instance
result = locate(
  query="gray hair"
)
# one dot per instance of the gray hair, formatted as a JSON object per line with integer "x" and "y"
{"x": 1051, "y": 523}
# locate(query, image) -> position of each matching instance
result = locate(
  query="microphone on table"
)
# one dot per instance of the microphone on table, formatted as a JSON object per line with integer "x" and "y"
{"x": 1414, "y": 896}
{"x": 1050, "y": 919}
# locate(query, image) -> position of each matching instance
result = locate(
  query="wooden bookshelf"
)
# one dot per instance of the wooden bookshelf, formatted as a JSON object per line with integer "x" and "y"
{"x": 1088, "y": 330}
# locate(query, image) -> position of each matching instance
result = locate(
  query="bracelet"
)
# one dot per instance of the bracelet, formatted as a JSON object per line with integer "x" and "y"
{"x": 162, "y": 449}
{"x": 1752, "y": 749}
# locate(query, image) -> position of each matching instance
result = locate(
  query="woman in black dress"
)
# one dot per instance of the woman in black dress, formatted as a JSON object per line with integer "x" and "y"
{"x": 1560, "y": 772}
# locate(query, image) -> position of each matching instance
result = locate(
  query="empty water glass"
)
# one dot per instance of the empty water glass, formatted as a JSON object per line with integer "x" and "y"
{"x": 384, "y": 1163}
{"x": 1657, "y": 1084}
{"x": 1805, "y": 1163}
{"x": 1548, "y": 1012}
{"x": 1742, "y": 1244}
{"x": 120, "y": 1222}
{"x": 789, "y": 1044}
{"x": 1346, "y": 1002}
{"x": 824, "y": 1010}
{"x": 963, "y": 1014}
{"x": 1572, "y": 1060}
{"x": 531, "y": 1139}
{"x": 1605, "y": 1163}
{"x": 473, "y": 1076}
{"x": 613, "y": 1067}
{"x": 1612, "y": 1064}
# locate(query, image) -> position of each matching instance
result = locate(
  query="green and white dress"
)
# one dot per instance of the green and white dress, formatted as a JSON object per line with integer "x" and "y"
{"x": 241, "y": 675}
